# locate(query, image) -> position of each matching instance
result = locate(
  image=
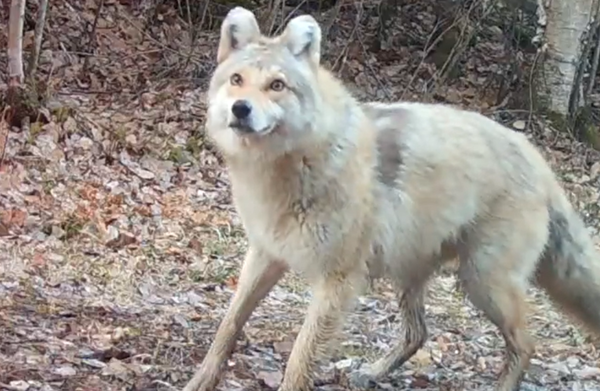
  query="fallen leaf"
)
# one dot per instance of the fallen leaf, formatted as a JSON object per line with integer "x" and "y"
{"x": 421, "y": 358}
{"x": 117, "y": 368}
{"x": 595, "y": 170}
{"x": 519, "y": 125}
{"x": 271, "y": 379}
{"x": 283, "y": 346}
{"x": 65, "y": 371}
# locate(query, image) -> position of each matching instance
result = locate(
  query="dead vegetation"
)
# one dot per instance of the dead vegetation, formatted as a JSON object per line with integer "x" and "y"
{"x": 119, "y": 247}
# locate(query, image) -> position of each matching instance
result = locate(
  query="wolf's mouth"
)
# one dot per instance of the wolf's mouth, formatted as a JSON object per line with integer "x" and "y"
{"x": 246, "y": 130}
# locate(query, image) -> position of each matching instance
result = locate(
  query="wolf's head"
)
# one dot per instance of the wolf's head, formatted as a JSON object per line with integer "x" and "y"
{"x": 263, "y": 94}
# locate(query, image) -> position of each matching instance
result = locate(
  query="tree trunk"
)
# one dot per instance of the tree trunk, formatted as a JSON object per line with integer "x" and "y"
{"x": 15, "y": 43}
{"x": 564, "y": 52}
{"x": 39, "y": 34}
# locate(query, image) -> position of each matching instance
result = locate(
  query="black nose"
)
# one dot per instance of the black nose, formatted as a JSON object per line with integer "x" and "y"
{"x": 241, "y": 109}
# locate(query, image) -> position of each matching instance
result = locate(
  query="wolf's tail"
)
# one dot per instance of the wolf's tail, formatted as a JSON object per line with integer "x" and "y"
{"x": 570, "y": 267}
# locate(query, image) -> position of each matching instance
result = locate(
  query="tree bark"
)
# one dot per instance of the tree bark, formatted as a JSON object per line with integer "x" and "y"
{"x": 39, "y": 34}
{"x": 565, "y": 34}
{"x": 15, "y": 43}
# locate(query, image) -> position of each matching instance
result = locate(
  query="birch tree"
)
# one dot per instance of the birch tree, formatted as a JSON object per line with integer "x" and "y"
{"x": 565, "y": 32}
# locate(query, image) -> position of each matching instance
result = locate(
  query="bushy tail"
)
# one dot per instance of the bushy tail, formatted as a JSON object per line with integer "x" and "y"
{"x": 570, "y": 267}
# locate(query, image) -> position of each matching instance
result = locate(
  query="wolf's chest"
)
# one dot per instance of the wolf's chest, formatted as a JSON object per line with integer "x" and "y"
{"x": 284, "y": 233}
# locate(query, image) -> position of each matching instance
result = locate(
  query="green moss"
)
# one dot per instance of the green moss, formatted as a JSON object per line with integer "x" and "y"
{"x": 558, "y": 121}
{"x": 194, "y": 145}
{"x": 62, "y": 113}
{"x": 585, "y": 127}
{"x": 591, "y": 135}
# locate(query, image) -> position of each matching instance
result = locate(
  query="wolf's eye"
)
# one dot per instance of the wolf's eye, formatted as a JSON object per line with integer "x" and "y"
{"x": 277, "y": 85}
{"x": 236, "y": 79}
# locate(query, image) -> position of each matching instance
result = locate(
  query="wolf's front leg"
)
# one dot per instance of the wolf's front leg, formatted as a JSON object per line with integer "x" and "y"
{"x": 332, "y": 296}
{"x": 258, "y": 276}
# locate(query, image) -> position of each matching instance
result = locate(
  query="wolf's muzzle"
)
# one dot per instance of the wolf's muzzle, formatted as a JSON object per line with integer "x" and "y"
{"x": 241, "y": 109}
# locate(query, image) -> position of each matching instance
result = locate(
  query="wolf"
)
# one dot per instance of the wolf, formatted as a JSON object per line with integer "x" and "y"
{"x": 343, "y": 192}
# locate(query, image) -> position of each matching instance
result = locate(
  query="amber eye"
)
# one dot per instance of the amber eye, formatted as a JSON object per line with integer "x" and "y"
{"x": 277, "y": 85}
{"x": 236, "y": 79}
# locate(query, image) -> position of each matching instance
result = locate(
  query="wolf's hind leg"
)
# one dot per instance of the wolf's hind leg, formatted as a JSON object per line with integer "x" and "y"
{"x": 412, "y": 313}
{"x": 503, "y": 303}
{"x": 496, "y": 263}
{"x": 412, "y": 316}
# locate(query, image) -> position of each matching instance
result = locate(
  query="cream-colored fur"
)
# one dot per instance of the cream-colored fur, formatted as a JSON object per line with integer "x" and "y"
{"x": 341, "y": 192}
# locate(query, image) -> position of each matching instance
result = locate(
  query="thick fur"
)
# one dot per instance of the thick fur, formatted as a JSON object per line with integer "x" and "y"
{"x": 341, "y": 192}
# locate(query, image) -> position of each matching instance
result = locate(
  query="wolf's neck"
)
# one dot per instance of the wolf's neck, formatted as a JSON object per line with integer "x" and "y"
{"x": 323, "y": 164}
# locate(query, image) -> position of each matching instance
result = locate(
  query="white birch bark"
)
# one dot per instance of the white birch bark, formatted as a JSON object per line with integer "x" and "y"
{"x": 566, "y": 24}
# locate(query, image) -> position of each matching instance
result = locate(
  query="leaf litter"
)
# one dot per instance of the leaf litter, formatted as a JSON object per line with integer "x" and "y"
{"x": 119, "y": 246}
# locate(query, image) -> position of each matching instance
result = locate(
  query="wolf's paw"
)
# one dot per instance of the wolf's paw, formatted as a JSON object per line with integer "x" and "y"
{"x": 362, "y": 379}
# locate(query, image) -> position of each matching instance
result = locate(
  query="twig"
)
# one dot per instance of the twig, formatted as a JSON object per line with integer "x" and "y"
{"x": 531, "y": 76}
{"x": 331, "y": 16}
{"x": 463, "y": 40}
{"x": 39, "y": 33}
{"x": 426, "y": 50}
{"x": 191, "y": 33}
{"x": 429, "y": 47}
{"x": 273, "y": 14}
{"x": 289, "y": 16}
{"x": 344, "y": 51}
{"x": 93, "y": 34}
{"x": 151, "y": 38}
{"x": 4, "y": 128}
{"x": 370, "y": 67}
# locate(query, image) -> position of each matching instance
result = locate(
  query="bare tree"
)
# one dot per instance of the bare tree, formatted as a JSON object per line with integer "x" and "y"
{"x": 565, "y": 25}
{"x": 15, "y": 43}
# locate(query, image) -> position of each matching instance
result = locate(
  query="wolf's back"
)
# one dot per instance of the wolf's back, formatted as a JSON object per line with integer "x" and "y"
{"x": 461, "y": 172}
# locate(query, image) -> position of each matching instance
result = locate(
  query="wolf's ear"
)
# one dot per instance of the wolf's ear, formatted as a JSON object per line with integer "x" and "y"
{"x": 302, "y": 36}
{"x": 239, "y": 28}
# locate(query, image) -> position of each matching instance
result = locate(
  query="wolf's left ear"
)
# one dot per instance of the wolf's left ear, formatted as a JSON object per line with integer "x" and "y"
{"x": 302, "y": 36}
{"x": 239, "y": 28}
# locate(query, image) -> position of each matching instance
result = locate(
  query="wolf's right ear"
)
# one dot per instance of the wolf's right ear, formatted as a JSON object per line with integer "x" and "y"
{"x": 302, "y": 36}
{"x": 239, "y": 28}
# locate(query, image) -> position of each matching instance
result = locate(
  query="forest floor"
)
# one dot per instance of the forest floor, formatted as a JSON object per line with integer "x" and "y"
{"x": 119, "y": 245}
